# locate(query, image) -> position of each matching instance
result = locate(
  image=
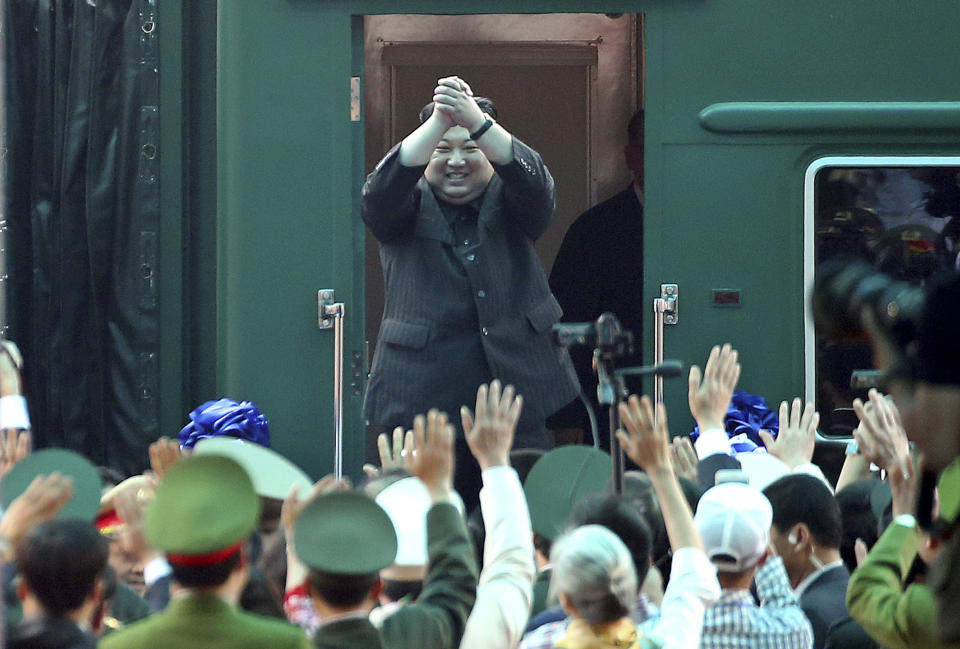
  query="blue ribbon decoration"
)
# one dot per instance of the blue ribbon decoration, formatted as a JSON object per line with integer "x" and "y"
{"x": 747, "y": 415}
{"x": 226, "y": 418}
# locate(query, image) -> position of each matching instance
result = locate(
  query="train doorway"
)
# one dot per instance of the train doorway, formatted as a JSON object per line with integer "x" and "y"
{"x": 566, "y": 84}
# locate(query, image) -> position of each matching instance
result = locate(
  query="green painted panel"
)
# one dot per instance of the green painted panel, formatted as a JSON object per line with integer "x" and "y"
{"x": 723, "y": 210}
{"x": 286, "y": 187}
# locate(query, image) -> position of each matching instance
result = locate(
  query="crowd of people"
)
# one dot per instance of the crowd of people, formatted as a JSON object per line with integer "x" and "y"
{"x": 203, "y": 550}
{"x": 467, "y": 533}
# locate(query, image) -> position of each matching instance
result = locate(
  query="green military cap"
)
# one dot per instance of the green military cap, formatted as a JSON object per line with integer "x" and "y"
{"x": 272, "y": 474}
{"x": 85, "y": 501}
{"x": 559, "y": 480}
{"x": 204, "y": 505}
{"x": 345, "y": 533}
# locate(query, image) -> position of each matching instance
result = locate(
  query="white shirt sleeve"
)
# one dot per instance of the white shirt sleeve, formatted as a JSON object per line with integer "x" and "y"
{"x": 155, "y": 569}
{"x": 505, "y": 591}
{"x": 13, "y": 412}
{"x": 712, "y": 441}
{"x": 692, "y": 588}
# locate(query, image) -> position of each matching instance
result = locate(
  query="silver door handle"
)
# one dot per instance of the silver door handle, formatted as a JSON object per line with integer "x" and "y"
{"x": 665, "y": 312}
{"x": 330, "y": 316}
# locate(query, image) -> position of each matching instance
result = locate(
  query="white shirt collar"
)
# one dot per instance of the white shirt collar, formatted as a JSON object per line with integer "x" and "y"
{"x": 812, "y": 577}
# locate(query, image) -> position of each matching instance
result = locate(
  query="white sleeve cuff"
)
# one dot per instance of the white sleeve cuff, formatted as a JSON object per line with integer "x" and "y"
{"x": 13, "y": 412}
{"x": 155, "y": 569}
{"x": 496, "y": 474}
{"x": 711, "y": 442}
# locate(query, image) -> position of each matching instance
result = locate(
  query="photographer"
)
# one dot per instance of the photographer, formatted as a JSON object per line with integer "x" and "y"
{"x": 913, "y": 335}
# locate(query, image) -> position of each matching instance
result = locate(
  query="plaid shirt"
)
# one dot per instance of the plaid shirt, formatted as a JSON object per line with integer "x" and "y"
{"x": 736, "y": 622}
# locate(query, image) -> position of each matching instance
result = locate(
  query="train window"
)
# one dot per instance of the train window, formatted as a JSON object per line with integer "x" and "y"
{"x": 899, "y": 217}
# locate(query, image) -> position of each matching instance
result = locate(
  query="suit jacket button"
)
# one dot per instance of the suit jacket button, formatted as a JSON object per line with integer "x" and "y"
{"x": 484, "y": 331}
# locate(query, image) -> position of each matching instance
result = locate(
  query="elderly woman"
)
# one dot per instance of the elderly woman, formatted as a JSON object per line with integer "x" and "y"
{"x": 596, "y": 584}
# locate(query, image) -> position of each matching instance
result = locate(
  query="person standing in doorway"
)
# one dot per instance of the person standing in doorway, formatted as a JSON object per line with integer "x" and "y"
{"x": 456, "y": 207}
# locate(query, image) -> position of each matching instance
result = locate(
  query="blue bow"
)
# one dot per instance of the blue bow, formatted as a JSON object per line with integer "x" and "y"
{"x": 747, "y": 415}
{"x": 226, "y": 418}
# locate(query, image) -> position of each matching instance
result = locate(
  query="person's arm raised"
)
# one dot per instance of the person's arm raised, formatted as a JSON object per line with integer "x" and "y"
{"x": 709, "y": 394}
{"x": 647, "y": 443}
{"x": 453, "y": 99}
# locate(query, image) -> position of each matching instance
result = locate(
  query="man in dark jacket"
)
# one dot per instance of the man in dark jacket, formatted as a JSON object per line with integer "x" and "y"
{"x": 456, "y": 208}
{"x": 60, "y": 564}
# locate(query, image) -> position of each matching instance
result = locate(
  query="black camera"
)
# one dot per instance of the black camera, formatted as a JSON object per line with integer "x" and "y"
{"x": 605, "y": 334}
{"x": 845, "y": 288}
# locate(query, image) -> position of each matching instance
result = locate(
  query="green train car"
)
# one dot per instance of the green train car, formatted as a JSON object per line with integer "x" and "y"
{"x": 271, "y": 112}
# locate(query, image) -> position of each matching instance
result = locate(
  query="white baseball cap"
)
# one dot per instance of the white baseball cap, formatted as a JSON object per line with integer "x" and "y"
{"x": 734, "y": 523}
{"x": 406, "y": 503}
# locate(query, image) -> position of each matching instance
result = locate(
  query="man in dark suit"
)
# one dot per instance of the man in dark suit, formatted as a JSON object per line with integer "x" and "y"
{"x": 599, "y": 268}
{"x": 456, "y": 208}
{"x": 806, "y": 532}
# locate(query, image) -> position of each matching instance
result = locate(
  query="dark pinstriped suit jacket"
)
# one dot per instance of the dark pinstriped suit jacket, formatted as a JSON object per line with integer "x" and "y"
{"x": 456, "y": 317}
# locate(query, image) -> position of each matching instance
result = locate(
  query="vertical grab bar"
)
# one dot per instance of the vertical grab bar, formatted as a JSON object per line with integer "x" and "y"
{"x": 659, "y": 307}
{"x": 665, "y": 312}
{"x": 331, "y": 316}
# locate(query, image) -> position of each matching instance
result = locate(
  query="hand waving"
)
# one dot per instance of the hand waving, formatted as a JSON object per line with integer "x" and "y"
{"x": 795, "y": 441}
{"x": 391, "y": 457}
{"x": 880, "y": 435}
{"x": 709, "y": 395}
{"x": 490, "y": 431}
{"x": 648, "y": 442}
{"x": 431, "y": 458}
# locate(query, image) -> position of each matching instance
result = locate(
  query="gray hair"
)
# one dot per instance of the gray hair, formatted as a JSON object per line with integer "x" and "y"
{"x": 593, "y": 567}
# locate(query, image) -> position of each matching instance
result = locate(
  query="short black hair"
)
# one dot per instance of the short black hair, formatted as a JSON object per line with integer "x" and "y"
{"x": 485, "y": 103}
{"x": 620, "y": 516}
{"x": 61, "y": 561}
{"x": 858, "y": 518}
{"x": 639, "y": 490}
{"x": 208, "y": 576}
{"x": 801, "y": 498}
{"x": 341, "y": 591}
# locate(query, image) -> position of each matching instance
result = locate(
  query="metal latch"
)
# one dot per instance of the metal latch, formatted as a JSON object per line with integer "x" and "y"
{"x": 327, "y": 309}
{"x": 669, "y": 303}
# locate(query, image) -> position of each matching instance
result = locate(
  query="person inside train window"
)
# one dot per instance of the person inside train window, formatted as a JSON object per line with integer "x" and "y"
{"x": 599, "y": 268}
{"x": 456, "y": 207}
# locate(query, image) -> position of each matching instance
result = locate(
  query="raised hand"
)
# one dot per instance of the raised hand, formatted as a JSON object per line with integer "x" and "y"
{"x": 431, "y": 458}
{"x": 391, "y": 456}
{"x": 453, "y": 100}
{"x": 40, "y": 502}
{"x": 164, "y": 453}
{"x": 685, "y": 458}
{"x": 490, "y": 431}
{"x": 795, "y": 441}
{"x": 709, "y": 394}
{"x": 880, "y": 436}
{"x": 293, "y": 504}
{"x": 11, "y": 363}
{"x": 131, "y": 508}
{"x": 648, "y": 442}
{"x": 14, "y": 446}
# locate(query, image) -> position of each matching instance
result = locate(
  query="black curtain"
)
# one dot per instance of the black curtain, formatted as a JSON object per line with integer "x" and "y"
{"x": 83, "y": 213}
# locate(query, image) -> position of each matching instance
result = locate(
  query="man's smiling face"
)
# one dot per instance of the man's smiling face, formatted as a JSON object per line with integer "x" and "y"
{"x": 458, "y": 171}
